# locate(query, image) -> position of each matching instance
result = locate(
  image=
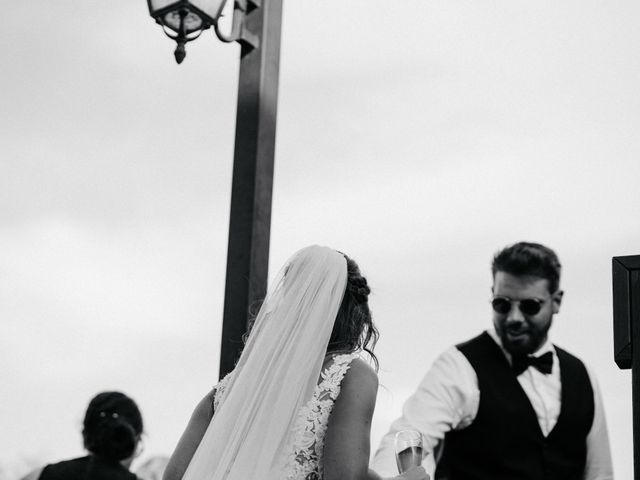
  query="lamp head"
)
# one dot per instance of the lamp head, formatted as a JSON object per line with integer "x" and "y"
{"x": 184, "y": 20}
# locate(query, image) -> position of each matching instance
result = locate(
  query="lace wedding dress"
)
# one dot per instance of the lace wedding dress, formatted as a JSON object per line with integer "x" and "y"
{"x": 307, "y": 444}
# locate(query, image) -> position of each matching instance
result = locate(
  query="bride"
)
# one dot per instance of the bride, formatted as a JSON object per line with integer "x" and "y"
{"x": 299, "y": 403}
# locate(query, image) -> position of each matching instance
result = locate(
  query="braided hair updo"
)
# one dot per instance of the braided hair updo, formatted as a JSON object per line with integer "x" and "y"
{"x": 354, "y": 329}
{"x": 112, "y": 426}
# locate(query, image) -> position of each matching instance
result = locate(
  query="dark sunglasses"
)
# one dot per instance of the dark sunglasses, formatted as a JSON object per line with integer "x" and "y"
{"x": 528, "y": 306}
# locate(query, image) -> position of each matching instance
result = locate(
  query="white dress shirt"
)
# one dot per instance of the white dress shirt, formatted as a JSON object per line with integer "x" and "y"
{"x": 448, "y": 398}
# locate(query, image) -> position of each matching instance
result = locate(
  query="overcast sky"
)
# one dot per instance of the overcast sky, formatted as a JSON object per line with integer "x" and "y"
{"x": 417, "y": 136}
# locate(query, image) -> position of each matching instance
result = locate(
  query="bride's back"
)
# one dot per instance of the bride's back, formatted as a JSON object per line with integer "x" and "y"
{"x": 305, "y": 449}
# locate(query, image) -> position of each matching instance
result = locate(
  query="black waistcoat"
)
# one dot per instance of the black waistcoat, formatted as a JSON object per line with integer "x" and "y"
{"x": 504, "y": 442}
{"x": 86, "y": 468}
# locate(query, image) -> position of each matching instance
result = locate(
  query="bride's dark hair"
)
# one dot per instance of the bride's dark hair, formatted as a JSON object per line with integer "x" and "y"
{"x": 354, "y": 329}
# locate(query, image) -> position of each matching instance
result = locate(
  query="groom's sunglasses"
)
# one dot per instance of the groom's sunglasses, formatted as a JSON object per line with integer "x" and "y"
{"x": 528, "y": 306}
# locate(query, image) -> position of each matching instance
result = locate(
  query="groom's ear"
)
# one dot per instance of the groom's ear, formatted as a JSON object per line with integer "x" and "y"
{"x": 557, "y": 300}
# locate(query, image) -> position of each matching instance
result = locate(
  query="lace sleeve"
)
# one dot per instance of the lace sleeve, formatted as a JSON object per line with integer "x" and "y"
{"x": 218, "y": 392}
{"x": 306, "y": 450}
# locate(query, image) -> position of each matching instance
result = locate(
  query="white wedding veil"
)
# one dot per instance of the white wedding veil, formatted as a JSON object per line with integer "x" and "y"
{"x": 249, "y": 435}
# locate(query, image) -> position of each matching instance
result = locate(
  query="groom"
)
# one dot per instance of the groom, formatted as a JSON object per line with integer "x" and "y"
{"x": 508, "y": 404}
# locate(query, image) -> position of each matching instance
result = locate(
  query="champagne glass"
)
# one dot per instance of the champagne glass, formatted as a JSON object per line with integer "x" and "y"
{"x": 408, "y": 449}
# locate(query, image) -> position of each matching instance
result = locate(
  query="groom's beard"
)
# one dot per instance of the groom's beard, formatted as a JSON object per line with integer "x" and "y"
{"x": 524, "y": 338}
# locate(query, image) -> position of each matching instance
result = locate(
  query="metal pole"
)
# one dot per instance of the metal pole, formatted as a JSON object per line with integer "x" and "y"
{"x": 250, "y": 222}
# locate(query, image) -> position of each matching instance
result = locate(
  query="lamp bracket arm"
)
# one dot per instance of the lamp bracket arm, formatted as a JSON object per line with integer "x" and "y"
{"x": 239, "y": 33}
{"x": 249, "y": 39}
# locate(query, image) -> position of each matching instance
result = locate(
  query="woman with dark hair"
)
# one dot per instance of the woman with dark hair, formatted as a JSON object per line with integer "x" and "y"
{"x": 299, "y": 403}
{"x": 111, "y": 432}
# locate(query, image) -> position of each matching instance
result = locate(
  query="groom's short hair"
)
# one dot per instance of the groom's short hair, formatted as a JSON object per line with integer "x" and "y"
{"x": 529, "y": 259}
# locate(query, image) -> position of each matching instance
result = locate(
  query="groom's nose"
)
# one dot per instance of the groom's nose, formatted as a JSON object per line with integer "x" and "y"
{"x": 515, "y": 315}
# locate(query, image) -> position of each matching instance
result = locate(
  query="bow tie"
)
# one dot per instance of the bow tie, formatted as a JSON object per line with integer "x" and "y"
{"x": 544, "y": 363}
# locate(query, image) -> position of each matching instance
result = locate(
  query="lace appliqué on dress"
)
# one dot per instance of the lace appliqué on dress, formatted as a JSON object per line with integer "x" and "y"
{"x": 304, "y": 462}
{"x": 219, "y": 390}
{"x": 305, "y": 459}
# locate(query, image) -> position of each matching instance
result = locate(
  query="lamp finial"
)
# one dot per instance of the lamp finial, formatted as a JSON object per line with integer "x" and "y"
{"x": 180, "y": 52}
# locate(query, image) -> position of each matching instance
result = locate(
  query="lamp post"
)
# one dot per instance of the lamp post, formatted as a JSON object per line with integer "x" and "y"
{"x": 256, "y": 25}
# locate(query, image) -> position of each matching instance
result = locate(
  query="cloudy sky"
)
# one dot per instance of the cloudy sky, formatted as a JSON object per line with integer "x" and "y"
{"x": 417, "y": 136}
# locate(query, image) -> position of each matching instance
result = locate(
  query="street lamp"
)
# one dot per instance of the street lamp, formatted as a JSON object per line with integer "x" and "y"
{"x": 256, "y": 26}
{"x": 185, "y": 20}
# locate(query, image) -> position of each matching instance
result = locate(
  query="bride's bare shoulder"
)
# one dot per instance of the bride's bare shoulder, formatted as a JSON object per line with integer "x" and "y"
{"x": 360, "y": 377}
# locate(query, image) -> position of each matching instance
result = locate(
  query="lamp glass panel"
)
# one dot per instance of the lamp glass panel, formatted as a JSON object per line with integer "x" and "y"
{"x": 192, "y": 21}
{"x": 156, "y": 5}
{"x": 209, "y": 7}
